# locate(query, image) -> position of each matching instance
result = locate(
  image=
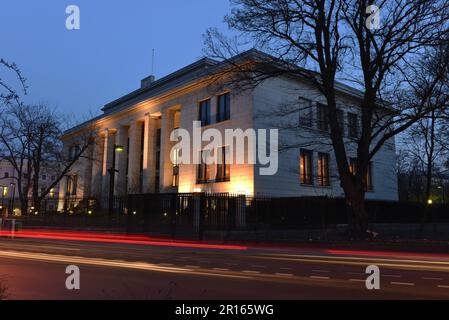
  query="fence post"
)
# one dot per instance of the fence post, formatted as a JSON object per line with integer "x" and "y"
{"x": 241, "y": 211}
{"x": 13, "y": 228}
{"x": 197, "y": 223}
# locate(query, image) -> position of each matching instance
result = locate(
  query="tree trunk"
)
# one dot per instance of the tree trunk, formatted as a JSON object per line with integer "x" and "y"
{"x": 357, "y": 214}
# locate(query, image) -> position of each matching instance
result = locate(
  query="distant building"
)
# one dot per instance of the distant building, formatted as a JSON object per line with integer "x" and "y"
{"x": 142, "y": 121}
{"x": 9, "y": 200}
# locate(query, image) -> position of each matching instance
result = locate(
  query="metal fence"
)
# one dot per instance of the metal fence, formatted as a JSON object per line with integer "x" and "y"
{"x": 179, "y": 215}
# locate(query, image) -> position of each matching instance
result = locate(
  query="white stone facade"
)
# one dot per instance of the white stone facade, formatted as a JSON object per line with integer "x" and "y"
{"x": 142, "y": 123}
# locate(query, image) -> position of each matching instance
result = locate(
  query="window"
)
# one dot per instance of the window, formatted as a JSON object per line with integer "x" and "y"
{"x": 204, "y": 168}
{"x": 323, "y": 117}
{"x": 306, "y": 113}
{"x": 73, "y": 152}
{"x": 175, "y": 159}
{"x": 6, "y": 175}
{"x": 353, "y": 126}
{"x": 341, "y": 121}
{"x": 223, "y": 167}
{"x": 224, "y": 107}
{"x": 53, "y": 178}
{"x": 352, "y": 165}
{"x": 323, "y": 170}
{"x": 204, "y": 113}
{"x": 369, "y": 178}
{"x": 306, "y": 167}
{"x": 44, "y": 177}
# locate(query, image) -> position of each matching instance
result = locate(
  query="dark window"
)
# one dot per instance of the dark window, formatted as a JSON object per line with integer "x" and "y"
{"x": 224, "y": 107}
{"x": 341, "y": 121}
{"x": 6, "y": 174}
{"x": 353, "y": 125}
{"x": 305, "y": 167}
{"x": 223, "y": 167}
{"x": 323, "y": 117}
{"x": 53, "y": 178}
{"x": 204, "y": 112}
{"x": 323, "y": 169}
{"x": 44, "y": 177}
{"x": 306, "y": 113}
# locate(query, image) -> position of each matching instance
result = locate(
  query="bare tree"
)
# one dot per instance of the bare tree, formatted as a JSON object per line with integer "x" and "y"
{"x": 329, "y": 41}
{"x": 29, "y": 141}
{"x": 12, "y": 83}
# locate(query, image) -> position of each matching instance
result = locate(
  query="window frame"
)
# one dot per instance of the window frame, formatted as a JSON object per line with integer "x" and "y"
{"x": 323, "y": 169}
{"x": 223, "y": 115}
{"x": 223, "y": 172}
{"x": 306, "y": 114}
{"x": 206, "y": 103}
{"x": 323, "y": 117}
{"x": 306, "y": 176}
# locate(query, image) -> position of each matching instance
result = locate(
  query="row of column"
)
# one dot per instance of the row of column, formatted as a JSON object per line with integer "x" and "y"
{"x": 136, "y": 166}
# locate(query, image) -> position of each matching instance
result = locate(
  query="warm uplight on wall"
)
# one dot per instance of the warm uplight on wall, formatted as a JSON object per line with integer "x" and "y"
{"x": 119, "y": 148}
{"x": 197, "y": 190}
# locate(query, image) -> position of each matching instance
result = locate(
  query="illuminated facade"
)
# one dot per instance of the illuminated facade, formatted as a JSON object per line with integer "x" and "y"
{"x": 142, "y": 121}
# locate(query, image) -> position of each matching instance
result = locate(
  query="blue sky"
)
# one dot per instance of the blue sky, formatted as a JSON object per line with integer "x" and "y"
{"x": 79, "y": 71}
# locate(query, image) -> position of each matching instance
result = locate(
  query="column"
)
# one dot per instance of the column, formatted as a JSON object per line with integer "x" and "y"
{"x": 107, "y": 160}
{"x": 97, "y": 167}
{"x": 87, "y": 175}
{"x": 149, "y": 155}
{"x": 122, "y": 162}
{"x": 167, "y": 123}
{"x": 135, "y": 149}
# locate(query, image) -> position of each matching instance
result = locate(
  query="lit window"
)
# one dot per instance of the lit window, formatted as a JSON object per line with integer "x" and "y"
{"x": 175, "y": 159}
{"x": 323, "y": 169}
{"x": 223, "y": 167}
{"x": 204, "y": 168}
{"x": 369, "y": 174}
{"x": 306, "y": 167}
{"x": 224, "y": 107}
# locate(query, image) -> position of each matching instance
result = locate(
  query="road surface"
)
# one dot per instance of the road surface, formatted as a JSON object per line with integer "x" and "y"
{"x": 35, "y": 269}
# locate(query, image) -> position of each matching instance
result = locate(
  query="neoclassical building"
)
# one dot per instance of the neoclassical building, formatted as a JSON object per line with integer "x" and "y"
{"x": 137, "y": 128}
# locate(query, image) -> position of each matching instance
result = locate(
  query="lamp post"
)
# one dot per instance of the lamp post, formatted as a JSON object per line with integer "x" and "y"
{"x": 13, "y": 196}
{"x": 3, "y": 199}
{"x": 112, "y": 171}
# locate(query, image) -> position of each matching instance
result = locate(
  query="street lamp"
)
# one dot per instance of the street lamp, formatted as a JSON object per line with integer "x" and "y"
{"x": 3, "y": 198}
{"x": 13, "y": 196}
{"x": 112, "y": 171}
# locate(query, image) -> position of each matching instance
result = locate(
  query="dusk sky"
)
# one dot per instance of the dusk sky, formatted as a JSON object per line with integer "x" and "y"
{"x": 79, "y": 71}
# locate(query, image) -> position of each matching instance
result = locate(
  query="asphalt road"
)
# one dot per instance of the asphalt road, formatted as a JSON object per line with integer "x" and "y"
{"x": 35, "y": 269}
